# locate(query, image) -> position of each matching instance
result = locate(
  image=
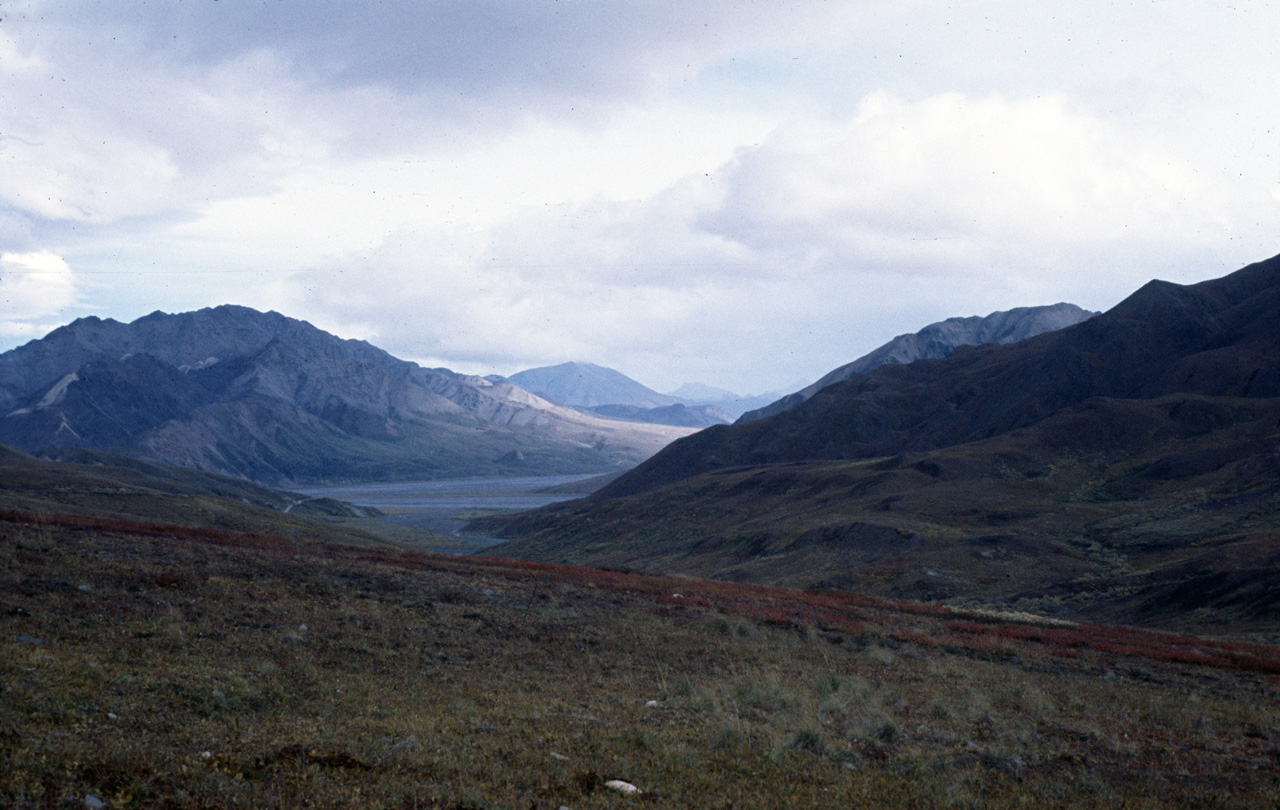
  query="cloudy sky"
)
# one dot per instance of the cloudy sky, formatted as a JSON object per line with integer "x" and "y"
{"x": 744, "y": 194}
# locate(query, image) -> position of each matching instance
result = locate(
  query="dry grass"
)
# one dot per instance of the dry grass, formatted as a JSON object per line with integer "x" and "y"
{"x": 155, "y": 666}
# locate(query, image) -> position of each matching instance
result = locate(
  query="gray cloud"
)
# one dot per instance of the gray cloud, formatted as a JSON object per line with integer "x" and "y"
{"x": 575, "y": 49}
{"x": 114, "y": 111}
{"x": 492, "y": 185}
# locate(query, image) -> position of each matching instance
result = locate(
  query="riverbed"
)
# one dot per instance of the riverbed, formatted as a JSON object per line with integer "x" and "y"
{"x": 445, "y": 507}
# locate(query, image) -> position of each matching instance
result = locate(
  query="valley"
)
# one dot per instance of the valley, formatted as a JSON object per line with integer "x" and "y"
{"x": 445, "y": 507}
{"x": 1041, "y": 572}
{"x": 1124, "y": 469}
{"x": 710, "y": 405}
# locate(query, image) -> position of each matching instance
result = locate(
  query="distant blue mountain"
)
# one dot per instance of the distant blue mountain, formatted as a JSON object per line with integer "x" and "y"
{"x": 586, "y": 385}
{"x": 614, "y": 395}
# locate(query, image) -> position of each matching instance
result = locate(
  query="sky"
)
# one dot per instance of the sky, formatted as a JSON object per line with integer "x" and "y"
{"x": 740, "y": 194}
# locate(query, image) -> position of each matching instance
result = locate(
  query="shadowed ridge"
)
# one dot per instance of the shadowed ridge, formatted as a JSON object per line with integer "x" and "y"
{"x": 13, "y": 454}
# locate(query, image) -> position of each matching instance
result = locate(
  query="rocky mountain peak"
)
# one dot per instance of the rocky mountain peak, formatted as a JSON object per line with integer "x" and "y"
{"x": 259, "y": 395}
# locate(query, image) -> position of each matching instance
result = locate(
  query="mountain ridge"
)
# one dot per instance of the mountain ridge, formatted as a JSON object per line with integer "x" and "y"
{"x": 937, "y": 340}
{"x": 274, "y": 399}
{"x": 1164, "y": 338}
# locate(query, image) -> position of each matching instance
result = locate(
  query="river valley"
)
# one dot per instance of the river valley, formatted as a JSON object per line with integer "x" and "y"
{"x": 444, "y": 507}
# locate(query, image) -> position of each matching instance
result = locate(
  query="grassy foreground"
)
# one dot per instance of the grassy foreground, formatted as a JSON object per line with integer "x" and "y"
{"x": 145, "y": 665}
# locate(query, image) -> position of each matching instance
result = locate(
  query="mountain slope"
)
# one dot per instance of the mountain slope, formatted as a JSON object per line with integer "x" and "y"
{"x": 586, "y": 385}
{"x": 273, "y": 399}
{"x": 1158, "y": 512}
{"x": 939, "y": 340}
{"x": 1217, "y": 338}
{"x": 1123, "y": 469}
{"x": 319, "y": 673}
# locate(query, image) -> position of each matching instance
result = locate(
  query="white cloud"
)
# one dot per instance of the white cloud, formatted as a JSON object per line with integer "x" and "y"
{"x": 13, "y": 59}
{"x": 474, "y": 50}
{"x": 128, "y": 142}
{"x": 284, "y": 122}
{"x": 330, "y": 207}
{"x": 793, "y": 256}
{"x": 1028, "y": 173}
{"x": 36, "y": 289}
{"x": 87, "y": 181}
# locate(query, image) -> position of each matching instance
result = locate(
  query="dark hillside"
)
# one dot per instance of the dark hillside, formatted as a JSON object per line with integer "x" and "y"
{"x": 88, "y": 483}
{"x": 1216, "y": 338}
{"x": 1125, "y": 469}
{"x": 1115, "y": 510}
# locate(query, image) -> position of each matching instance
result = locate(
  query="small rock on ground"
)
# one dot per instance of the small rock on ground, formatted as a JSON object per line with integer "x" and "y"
{"x": 625, "y": 788}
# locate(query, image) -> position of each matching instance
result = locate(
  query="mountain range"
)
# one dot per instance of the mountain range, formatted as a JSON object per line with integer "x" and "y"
{"x": 1218, "y": 338}
{"x": 610, "y": 393}
{"x": 1125, "y": 468}
{"x": 726, "y": 402}
{"x": 939, "y": 340}
{"x": 273, "y": 399}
